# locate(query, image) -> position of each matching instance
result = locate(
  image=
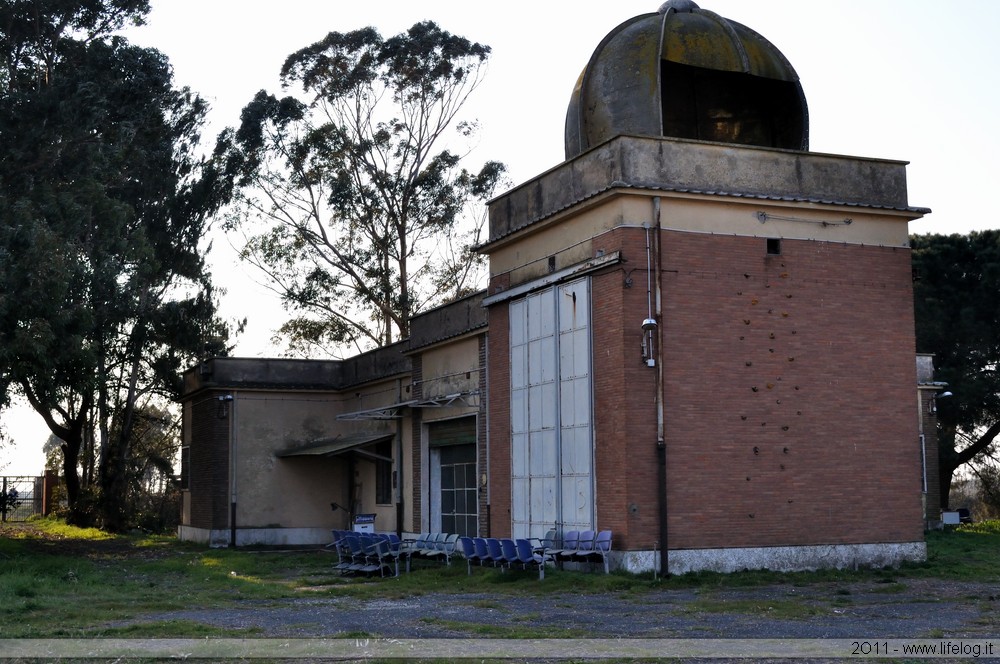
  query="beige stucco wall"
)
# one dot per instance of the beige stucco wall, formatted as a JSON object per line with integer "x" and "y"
{"x": 449, "y": 368}
{"x": 285, "y": 493}
{"x": 575, "y": 235}
{"x": 296, "y": 492}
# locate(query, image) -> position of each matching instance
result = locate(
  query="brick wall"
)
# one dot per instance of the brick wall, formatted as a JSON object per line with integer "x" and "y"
{"x": 498, "y": 348}
{"x": 209, "y": 483}
{"x": 932, "y": 507}
{"x": 624, "y": 398}
{"x": 790, "y": 393}
{"x": 790, "y": 416}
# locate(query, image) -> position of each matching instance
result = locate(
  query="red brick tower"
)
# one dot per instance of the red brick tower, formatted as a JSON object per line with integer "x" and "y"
{"x": 701, "y": 334}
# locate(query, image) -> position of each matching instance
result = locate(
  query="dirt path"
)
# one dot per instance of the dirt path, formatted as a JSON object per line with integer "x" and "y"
{"x": 911, "y": 609}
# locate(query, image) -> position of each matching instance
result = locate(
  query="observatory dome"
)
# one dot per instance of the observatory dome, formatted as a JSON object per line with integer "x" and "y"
{"x": 686, "y": 72}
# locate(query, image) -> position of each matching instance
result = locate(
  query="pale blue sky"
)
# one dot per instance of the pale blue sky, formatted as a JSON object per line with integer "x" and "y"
{"x": 912, "y": 80}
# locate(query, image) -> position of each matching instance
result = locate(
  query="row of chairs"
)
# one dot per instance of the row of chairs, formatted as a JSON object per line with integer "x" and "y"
{"x": 430, "y": 546}
{"x": 503, "y": 553}
{"x": 577, "y": 546}
{"x": 364, "y": 553}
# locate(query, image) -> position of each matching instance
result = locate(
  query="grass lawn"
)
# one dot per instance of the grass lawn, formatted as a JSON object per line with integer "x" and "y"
{"x": 58, "y": 581}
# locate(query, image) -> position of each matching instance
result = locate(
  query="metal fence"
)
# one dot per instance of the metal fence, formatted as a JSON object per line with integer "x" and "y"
{"x": 20, "y": 497}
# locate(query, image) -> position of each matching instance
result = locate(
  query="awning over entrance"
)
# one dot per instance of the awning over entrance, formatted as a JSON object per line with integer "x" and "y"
{"x": 391, "y": 412}
{"x": 329, "y": 447}
{"x": 459, "y": 398}
{"x": 395, "y": 411}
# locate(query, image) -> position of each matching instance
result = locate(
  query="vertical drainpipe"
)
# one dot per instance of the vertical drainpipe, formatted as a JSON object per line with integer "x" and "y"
{"x": 485, "y": 398}
{"x": 399, "y": 463}
{"x": 232, "y": 470}
{"x": 661, "y": 447}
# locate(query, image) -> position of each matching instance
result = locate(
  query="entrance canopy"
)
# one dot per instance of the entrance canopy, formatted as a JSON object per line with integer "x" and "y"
{"x": 342, "y": 444}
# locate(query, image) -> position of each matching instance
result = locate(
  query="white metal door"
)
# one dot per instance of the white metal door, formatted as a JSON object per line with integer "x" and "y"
{"x": 551, "y": 432}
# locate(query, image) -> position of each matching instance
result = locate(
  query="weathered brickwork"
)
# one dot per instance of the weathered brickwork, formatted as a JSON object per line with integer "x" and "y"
{"x": 210, "y": 462}
{"x": 499, "y": 487}
{"x": 624, "y": 397}
{"x": 789, "y": 392}
{"x": 932, "y": 504}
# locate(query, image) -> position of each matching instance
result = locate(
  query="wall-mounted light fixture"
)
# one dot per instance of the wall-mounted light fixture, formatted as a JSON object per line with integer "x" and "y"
{"x": 648, "y": 330}
{"x": 223, "y": 410}
{"x": 933, "y": 407}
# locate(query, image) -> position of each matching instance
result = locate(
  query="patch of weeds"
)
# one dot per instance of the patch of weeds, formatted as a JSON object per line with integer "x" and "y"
{"x": 506, "y": 631}
{"x": 988, "y": 527}
{"x": 24, "y": 590}
{"x": 171, "y": 629}
{"x": 774, "y": 608}
{"x": 890, "y": 588}
{"x": 843, "y": 591}
{"x": 487, "y": 604}
{"x": 358, "y": 634}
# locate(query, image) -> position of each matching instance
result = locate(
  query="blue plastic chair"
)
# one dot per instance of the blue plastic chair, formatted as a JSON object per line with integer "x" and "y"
{"x": 526, "y": 556}
{"x": 570, "y": 543}
{"x": 599, "y": 552}
{"x": 509, "y": 552}
{"x": 496, "y": 552}
{"x": 482, "y": 549}
{"x": 469, "y": 551}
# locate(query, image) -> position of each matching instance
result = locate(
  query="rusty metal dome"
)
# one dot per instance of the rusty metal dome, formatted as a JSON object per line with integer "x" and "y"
{"x": 687, "y": 72}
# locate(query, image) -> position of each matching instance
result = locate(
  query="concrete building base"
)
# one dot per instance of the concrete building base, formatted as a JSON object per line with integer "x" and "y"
{"x": 256, "y": 536}
{"x": 776, "y": 558}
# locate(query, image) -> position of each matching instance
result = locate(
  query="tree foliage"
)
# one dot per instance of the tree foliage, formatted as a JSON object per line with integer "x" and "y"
{"x": 104, "y": 294}
{"x": 362, "y": 213}
{"x": 957, "y": 309}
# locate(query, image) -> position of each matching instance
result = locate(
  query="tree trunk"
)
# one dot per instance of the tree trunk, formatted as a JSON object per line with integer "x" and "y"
{"x": 949, "y": 459}
{"x": 71, "y": 432}
{"x": 114, "y": 466}
{"x": 945, "y": 473}
{"x": 71, "y": 458}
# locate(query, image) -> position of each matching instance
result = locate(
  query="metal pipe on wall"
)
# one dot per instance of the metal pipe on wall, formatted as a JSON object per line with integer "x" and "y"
{"x": 232, "y": 468}
{"x": 661, "y": 447}
{"x": 398, "y": 477}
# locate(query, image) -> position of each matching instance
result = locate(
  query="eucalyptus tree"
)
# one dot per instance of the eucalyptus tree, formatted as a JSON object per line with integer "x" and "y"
{"x": 957, "y": 308}
{"x": 362, "y": 211}
{"x": 104, "y": 203}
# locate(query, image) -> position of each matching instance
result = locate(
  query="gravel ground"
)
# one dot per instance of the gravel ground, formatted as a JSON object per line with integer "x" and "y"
{"x": 911, "y": 609}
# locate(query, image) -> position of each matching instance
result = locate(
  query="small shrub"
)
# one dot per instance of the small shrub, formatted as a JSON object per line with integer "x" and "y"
{"x": 990, "y": 527}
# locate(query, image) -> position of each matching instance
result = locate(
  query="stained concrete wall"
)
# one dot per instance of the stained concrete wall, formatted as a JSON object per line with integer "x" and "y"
{"x": 700, "y": 167}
